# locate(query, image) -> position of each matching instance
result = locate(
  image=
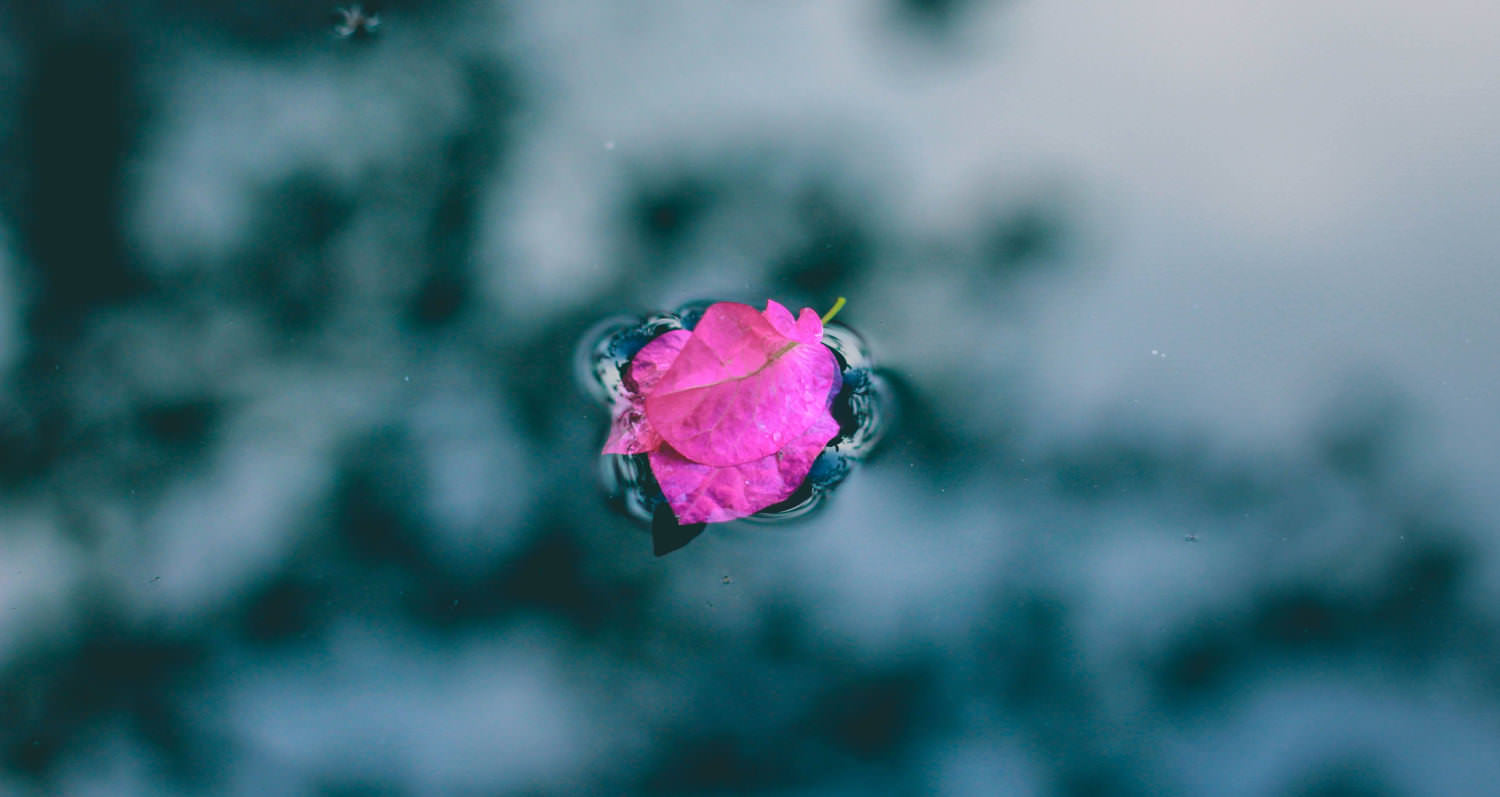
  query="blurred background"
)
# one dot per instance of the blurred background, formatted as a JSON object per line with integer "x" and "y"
{"x": 1192, "y": 307}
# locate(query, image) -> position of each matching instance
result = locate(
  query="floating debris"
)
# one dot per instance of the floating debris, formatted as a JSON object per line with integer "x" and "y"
{"x": 863, "y": 408}
{"x": 355, "y": 23}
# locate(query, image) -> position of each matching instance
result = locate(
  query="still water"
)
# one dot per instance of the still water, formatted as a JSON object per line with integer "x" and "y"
{"x": 1168, "y": 438}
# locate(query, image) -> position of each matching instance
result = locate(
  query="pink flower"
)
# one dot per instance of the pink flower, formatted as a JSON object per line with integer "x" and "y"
{"x": 733, "y": 414}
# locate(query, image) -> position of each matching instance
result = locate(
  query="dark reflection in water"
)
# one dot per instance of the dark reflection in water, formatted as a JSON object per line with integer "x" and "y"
{"x": 1190, "y": 494}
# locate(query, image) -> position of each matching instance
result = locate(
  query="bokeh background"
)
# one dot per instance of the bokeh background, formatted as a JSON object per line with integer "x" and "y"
{"x": 1192, "y": 309}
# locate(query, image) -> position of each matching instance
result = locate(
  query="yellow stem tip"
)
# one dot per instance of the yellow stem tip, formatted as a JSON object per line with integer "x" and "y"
{"x": 837, "y": 306}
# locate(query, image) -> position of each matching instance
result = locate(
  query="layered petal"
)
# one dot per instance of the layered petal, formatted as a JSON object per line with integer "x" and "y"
{"x": 699, "y": 493}
{"x": 807, "y": 327}
{"x": 732, "y": 414}
{"x": 741, "y": 389}
{"x": 629, "y": 431}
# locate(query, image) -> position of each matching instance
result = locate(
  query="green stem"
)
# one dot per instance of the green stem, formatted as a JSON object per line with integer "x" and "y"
{"x": 837, "y": 306}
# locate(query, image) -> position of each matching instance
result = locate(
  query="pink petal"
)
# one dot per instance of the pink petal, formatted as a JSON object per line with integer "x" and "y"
{"x": 741, "y": 390}
{"x": 650, "y": 364}
{"x": 629, "y": 431}
{"x": 701, "y": 493}
{"x": 807, "y": 327}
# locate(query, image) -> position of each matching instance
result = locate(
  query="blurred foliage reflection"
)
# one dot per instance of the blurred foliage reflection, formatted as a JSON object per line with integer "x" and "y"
{"x": 300, "y": 497}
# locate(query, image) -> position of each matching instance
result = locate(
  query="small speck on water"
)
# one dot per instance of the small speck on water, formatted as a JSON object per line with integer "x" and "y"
{"x": 406, "y": 379}
{"x": 726, "y": 580}
{"x": 1190, "y": 537}
{"x": 355, "y": 23}
{"x": 610, "y": 145}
